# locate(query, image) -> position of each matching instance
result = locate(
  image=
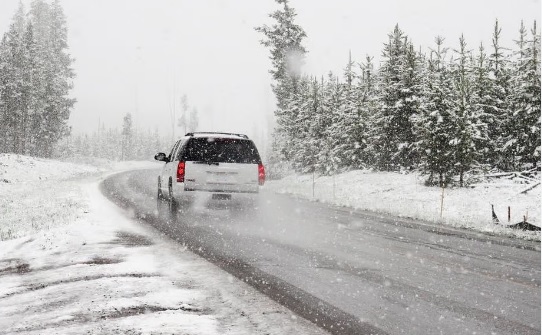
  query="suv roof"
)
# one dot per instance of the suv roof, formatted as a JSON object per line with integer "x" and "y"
{"x": 216, "y": 134}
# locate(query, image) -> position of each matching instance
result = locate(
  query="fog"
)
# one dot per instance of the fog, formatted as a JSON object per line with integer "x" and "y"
{"x": 141, "y": 56}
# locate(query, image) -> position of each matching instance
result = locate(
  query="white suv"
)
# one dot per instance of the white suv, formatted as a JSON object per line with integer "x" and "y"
{"x": 220, "y": 163}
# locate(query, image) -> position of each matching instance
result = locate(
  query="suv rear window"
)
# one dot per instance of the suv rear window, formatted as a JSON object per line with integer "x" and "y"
{"x": 221, "y": 150}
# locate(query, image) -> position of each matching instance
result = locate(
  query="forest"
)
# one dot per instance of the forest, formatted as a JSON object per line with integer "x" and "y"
{"x": 36, "y": 78}
{"x": 35, "y": 81}
{"x": 450, "y": 111}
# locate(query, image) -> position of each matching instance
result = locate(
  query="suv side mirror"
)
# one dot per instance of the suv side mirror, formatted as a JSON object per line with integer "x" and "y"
{"x": 161, "y": 157}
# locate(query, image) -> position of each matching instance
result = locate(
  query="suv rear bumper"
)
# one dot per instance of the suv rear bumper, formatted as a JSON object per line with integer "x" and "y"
{"x": 181, "y": 190}
{"x": 224, "y": 188}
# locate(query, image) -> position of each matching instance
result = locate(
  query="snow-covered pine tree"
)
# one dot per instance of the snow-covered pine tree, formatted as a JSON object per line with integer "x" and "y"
{"x": 284, "y": 39}
{"x": 523, "y": 136}
{"x": 63, "y": 79}
{"x": 399, "y": 82}
{"x": 368, "y": 104}
{"x": 31, "y": 94}
{"x": 463, "y": 112}
{"x": 513, "y": 131}
{"x": 328, "y": 118}
{"x": 531, "y": 153}
{"x": 345, "y": 127}
{"x": 499, "y": 92}
{"x": 54, "y": 105}
{"x": 481, "y": 103}
{"x": 4, "y": 75}
{"x": 86, "y": 147}
{"x": 13, "y": 83}
{"x": 435, "y": 126}
{"x": 40, "y": 17}
{"x": 127, "y": 138}
{"x": 310, "y": 125}
{"x": 298, "y": 131}
{"x": 411, "y": 104}
{"x": 382, "y": 133}
{"x": 286, "y": 130}
{"x": 140, "y": 142}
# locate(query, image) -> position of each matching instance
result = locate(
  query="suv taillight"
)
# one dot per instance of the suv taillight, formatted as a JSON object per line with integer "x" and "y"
{"x": 180, "y": 172}
{"x": 261, "y": 174}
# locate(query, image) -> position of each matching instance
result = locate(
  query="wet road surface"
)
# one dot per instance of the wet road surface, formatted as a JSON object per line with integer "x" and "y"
{"x": 353, "y": 272}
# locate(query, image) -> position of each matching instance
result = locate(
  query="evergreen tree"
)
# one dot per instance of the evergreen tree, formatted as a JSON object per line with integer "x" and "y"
{"x": 382, "y": 133}
{"x": 523, "y": 137}
{"x": 482, "y": 105}
{"x": 400, "y": 83}
{"x": 297, "y": 130}
{"x": 435, "y": 125}
{"x": 344, "y": 131}
{"x": 30, "y": 94}
{"x": 463, "y": 112}
{"x": 305, "y": 144}
{"x": 4, "y": 111}
{"x": 284, "y": 39}
{"x": 411, "y": 104}
{"x": 14, "y": 82}
{"x": 328, "y": 118}
{"x": 499, "y": 92}
{"x": 368, "y": 104}
{"x": 35, "y": 77}
{"x": 127, "y": 138}
{"x": 54, "y": 106}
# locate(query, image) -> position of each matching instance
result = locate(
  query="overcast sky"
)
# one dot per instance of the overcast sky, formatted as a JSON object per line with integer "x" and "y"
{"x": 140, "y": 56}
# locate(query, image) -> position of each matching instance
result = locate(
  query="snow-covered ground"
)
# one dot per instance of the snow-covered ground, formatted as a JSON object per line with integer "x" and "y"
{"x": 405, "y": 195}
{"x": 71, "y": 262}
{"x": 38, "y": 194}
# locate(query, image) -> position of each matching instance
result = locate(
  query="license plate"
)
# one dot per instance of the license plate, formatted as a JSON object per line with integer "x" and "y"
{"x": 221, "y": 196}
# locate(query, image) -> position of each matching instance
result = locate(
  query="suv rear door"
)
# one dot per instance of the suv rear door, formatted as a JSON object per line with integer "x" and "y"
{"x": 170, "y": 168}
{"x": 217, "y": 164}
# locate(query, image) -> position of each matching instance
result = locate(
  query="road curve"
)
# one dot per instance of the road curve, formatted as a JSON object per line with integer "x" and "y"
{"x": 352, "y": 272}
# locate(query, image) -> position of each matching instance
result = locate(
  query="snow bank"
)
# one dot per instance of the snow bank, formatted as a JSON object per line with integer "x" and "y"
{"x": 108, "y": 165}
{"x": 38, "y": 194}
{"x": 405, "y": 195}
{"x": 18, "y": 168}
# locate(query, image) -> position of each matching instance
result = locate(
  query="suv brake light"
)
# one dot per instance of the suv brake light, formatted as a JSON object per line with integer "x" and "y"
{"x": 180, "y": 172}
{"x": 261, "y": 174}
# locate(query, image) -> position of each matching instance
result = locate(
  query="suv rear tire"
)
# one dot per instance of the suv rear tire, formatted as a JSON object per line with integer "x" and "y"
{"x": 172, "y": 204}
{"x": 161, "y": 202}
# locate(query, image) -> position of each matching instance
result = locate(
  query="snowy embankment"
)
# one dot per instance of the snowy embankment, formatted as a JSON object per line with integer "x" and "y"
{"x": 404, "y": 195}
{"x": 73, "y": 263}
{"x": 38, "y": 194}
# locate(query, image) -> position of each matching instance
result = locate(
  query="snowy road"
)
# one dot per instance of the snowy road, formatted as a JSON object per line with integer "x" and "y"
{"x": 353, "y": 272}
